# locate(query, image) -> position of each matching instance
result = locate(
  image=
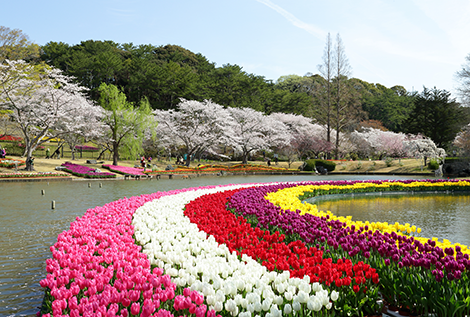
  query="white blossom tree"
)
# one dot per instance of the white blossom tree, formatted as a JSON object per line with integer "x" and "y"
{"x": 379, "y": 142}
{"x": 44, "y": 103}
{"x": 423, "y": 148}
{"x": 93, "y": 130}
{"x": 254, "y": 131}
{"x": 197, "y": 126}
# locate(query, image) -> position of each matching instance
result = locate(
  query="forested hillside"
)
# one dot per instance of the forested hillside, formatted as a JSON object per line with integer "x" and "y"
{"x": 165, "y": 74}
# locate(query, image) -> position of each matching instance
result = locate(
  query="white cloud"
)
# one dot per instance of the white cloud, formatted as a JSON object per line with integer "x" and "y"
{"x": 317, "y": 32}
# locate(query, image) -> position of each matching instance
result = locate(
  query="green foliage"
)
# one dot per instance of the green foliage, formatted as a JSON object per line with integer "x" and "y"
{"x": 437, "y": 116}
{"x": 311, "y": 164}
{"x": 391, "y": 106}
{"x": 388, "y": 161}
{"x": 15, "y": 45}
{"x": 165, "y": 74}
{"x": 433, "y": 164}
{"x": 127, "y": 124}
{"x": 329, "y": 165}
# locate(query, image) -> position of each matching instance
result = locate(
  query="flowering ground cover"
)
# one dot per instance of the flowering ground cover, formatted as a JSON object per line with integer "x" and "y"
{"x": 124, "y": 170}
{"x": 11, "y": 163}
{"x": 33, "y": 175}
{"x": 238, "y": 168}
{"x": 264, "y": 260}
{"x": 10, "y": 138}
{"x": 86, "y": 148}
{"x": 86, "y": 171}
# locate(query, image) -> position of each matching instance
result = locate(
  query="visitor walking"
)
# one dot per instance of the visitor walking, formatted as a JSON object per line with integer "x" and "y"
{"x": 57, "y": 153}
{"x": 48, "y": 153}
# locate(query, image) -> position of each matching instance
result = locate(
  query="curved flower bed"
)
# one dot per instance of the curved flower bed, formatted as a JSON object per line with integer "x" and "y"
{"x": 10, "y": 138}
{"x": 97, "y": 269}
{"x": 420, "y": 275}
{"x": 125, "y": 170}
{"x": 85, "y": 171}
{"x": 233, "y": 282}
{"x": 264, "y": 260}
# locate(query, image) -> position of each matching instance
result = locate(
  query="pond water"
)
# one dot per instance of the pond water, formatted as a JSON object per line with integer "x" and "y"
{"x": 444, "y": 216}
{"x": 29, "y": 226}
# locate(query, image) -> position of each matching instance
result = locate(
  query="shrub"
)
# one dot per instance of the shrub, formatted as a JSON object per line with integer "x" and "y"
{"x": 433, "y": 164}
{"x": 309, "y": 165}
{"x": 389, "y": 161}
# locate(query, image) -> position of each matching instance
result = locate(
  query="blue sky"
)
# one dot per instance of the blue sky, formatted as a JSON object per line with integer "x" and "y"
{"x": 413, "y": 43}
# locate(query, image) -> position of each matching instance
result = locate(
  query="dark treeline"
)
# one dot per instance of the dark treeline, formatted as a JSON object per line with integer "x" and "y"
{"x": 164, "y": 74}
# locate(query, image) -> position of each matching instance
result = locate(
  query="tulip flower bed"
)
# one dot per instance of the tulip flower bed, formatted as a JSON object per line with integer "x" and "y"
{"x": 124, "y": 170}
{"x": 11, "y": 163}
{"x": 98, "y": 269}
{"x": 266, "y": 259}
{"x": 10, "y": 138}
{"x": 33, "y": 175}
{"x": 232, "y": 282}
{"x": 86, "y": 148}
{"x": 422, "y": 274}
{"x": 85, "y": 171}
{"x": 356, "y": 282}
{"x": 239, "y": 168}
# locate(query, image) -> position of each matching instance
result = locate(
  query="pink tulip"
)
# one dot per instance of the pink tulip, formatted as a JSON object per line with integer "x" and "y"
{"x": 135, "y": 308}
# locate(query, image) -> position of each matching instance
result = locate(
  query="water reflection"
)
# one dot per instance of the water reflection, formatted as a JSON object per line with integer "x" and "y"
{"x": 441, "y": 216}
{"x": 28, "y": 226}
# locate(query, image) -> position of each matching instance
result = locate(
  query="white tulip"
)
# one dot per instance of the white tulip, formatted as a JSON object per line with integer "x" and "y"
{"x": 334, "y": 295}
{"x": 266, "y": 305}
{"x": 296, "y": 305}
{"x": 287, "y": 309}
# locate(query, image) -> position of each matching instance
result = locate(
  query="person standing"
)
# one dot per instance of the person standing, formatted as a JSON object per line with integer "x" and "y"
{"x": 48, "y": 153}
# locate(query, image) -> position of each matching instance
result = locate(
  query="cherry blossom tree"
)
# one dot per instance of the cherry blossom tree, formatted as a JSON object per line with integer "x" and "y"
{"x": 254, "y": 131}
{"x": 44, "y": 103}
{"x": 306, "y": 136}
{"x": 378, "y": 142}
{"x": 462, "y": 139}
{"x": 94, "y": 130}
{"x": 197, "y": 126}
{"x": 423, "y": 148}
{"x": 251, "y": 128}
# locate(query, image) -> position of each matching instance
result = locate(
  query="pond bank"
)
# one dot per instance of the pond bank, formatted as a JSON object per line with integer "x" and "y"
{"x": 404, "y": 167}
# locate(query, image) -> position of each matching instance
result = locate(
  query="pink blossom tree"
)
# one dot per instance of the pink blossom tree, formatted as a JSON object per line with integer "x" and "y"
{"x": 44, "y": 103}
{"x": 197, "y": 126}
{"x": 462, "y": 139}
{"x": 373, "y": 141}
{"x": 306, "y": 136}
